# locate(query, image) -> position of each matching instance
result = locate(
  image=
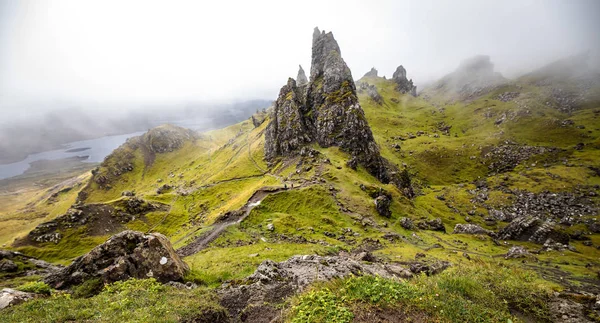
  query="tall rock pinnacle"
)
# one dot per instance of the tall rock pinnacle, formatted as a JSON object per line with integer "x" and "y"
{"x": 301, "y": 78}
{"x": 327, "y": 113}
{"x": 403, "y": 84}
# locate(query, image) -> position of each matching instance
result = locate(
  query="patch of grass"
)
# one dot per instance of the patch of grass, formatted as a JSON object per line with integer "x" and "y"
{"x": 481, "y": 292}
{"x": 88, "y": 288}
{"x": 129, "y": 301}
{"x": 214, "y": 266}
{"x": 36, "y": 287}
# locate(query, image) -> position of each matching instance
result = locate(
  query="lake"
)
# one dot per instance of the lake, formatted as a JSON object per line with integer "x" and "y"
{"x": 95, "y": 149}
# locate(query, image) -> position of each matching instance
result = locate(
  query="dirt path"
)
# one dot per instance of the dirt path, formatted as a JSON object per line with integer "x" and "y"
{"x": 216, "y": 229}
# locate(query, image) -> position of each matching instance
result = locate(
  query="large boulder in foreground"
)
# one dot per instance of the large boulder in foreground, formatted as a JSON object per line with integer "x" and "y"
{"x": 129, "y": 254}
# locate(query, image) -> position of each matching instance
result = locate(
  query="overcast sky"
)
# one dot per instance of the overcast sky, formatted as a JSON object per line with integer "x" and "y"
{"x": 96, "y": 53}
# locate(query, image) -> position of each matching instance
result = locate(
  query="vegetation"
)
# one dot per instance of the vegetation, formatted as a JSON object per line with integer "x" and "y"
{"x": 128, "y": 301}
{"x": 330, "y": 209}
{"x": 477, "y": 292}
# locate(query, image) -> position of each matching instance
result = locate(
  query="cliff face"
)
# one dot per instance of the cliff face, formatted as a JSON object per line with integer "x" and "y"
{"x": 325, "y": 111}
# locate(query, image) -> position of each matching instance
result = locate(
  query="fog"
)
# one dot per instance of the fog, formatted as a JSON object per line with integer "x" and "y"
{"x": 113, "y": 57}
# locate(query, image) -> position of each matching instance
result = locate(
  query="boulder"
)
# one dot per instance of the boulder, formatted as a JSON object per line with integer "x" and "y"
{"x": 533, "y": 229}
{"x": 382, "y": 204}
{"x": 129, "y": 254}
{"x": 517, "y": 252}
{"x": 407, "y": 223}
{"x": 470, "y": 229}
{"x": 435, "y": 225}
{"x": 10, "y": 297}
{"x": 8, "y": 266}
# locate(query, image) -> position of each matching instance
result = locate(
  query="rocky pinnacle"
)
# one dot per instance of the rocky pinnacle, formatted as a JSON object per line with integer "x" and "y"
{"x": 327, "y": 112}
{"x": 301, "y": 78}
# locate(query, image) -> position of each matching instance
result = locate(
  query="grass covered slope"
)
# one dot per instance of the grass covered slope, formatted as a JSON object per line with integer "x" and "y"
{"x": 468, "y": 160}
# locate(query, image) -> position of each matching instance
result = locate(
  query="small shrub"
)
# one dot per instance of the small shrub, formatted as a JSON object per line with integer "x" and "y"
{"x": 88, "y": 288}
{"x": 36, "y": 287}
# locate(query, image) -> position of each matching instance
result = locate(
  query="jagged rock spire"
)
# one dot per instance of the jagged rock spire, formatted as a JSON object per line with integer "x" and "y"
{"x": 322, "y": 46}
{"x": 371, "y": 73}
{"x": 403, "y": 84}
{"x": 327, "y": 112}
{"x": 287, "y": 130}
{"x": 301, "y": 78}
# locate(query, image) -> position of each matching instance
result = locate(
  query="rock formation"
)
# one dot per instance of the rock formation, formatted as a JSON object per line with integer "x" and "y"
{"x": 533, "y": 229}
{"x": 403, "y": 84}
{"x": 98, "y": 219}
{"x": 16, "y": 264}
{"x": 129, "y": 254}
{"x": 470, "y": 229}
{"x": 326, "y": 112}
{"x": 301, "y": 78}
{"x": 273, "y": 282}
{"x": 371, "y": 73}
{"x": 371, "y": 91}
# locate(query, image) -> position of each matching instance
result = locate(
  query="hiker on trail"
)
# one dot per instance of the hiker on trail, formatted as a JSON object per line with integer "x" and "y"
{"x": 292, "y": 185}
{"x": 285, "y": 186}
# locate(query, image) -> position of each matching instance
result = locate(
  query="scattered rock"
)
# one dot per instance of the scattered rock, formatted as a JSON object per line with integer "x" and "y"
{"x": 270, "y": 227}
{"x": 179, "y": 285}
{"x": 163, "y": 189}
{"x": 550, "y": 245}
{"x": 506, "y": 157}
{"x": 533, "y": 229}
{"x": 508, "y": 96}
{"x": 129, "y": 254}
{"x": 431, "y": 268}
{"x": 8, "y": 266}
{"x": 517, "y": 252}
{"x": 567, "y": 311}
{"x": 11, "y": 297}
{"x": 470, "y": 229}
{"x": 435, "y": 225}
{"x": 407, "y": 223}
{"x": 273, "y": 282}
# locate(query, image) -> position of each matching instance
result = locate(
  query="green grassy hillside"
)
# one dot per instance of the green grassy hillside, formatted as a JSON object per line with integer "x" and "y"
{"x": 449, "y": 148}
